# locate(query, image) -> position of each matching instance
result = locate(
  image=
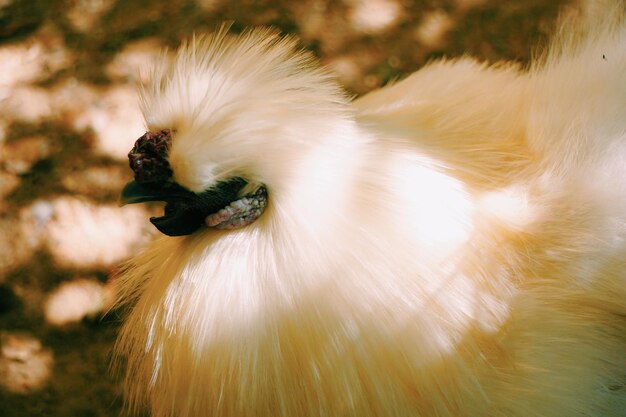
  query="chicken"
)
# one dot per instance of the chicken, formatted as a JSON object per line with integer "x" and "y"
{"x": 453, "y": 244}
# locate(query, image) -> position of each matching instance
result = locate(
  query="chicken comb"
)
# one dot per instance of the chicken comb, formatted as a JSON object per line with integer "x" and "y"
{"x": 148, "y": 158}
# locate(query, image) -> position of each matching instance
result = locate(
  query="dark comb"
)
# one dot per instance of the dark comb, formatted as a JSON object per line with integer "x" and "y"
{"x": 148, "y": 158}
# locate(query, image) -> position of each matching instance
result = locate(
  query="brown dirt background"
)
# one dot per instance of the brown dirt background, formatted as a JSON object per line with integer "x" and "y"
{"x": 68, "y": 69}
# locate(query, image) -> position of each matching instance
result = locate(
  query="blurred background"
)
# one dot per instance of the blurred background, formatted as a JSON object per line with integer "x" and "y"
{"x": 68, "y": 117}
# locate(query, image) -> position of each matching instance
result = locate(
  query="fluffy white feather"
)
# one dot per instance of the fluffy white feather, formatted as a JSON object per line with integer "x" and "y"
{"x": 451, "y": 245}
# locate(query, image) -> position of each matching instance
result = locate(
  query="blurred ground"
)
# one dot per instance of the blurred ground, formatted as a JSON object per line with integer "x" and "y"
{"x": 68, "y": 116}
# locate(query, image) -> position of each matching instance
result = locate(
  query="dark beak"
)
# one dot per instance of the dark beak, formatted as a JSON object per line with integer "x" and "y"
{"x": 185, "y": 211}
{"x": 182, "y": 214}
{"x": 134, "y": 193}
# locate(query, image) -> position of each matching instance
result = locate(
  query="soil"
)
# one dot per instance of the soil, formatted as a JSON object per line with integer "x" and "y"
{"x": 68, "y": 70}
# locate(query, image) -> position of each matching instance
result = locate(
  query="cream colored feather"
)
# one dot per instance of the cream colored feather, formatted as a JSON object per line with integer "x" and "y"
{"x": 451, "y": 245}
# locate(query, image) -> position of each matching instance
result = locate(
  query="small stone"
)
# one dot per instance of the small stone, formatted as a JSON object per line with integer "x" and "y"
{"x": 115, "y": 119}
{"x": 18, "y": 157}
{"x": 209, "y": 5}
{"x": 87, "y": 235}
{"x": 131, "y": 63}
{"x": 98, "y": 181}
{"x": 83, "y": 15}
{"x": 433, "y": 28}
{"x": 18, "y": 241}
{"x": 35, "y": 58}
{"x": 8, "y": 184}
{"x": 25, "y": 365}
{"x": 374, "y": 16}
{"x": 347, "y": 70}
{"x": 39, "y": 213}
{"x": 25, "y": 103}
{"x": 72, "y": 98}
{"x": 72, "y": 301}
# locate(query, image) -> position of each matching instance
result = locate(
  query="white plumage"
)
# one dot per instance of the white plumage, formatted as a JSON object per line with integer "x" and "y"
{"x": 450, "y": 245}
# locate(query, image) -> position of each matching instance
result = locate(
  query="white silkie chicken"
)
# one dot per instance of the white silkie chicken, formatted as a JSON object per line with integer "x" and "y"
{"x": 450, "y": 245}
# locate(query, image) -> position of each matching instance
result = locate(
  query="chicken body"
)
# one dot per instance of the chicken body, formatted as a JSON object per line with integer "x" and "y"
{"x": 451, "y": 245}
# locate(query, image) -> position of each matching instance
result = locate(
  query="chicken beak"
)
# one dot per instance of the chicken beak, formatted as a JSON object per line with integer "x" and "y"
{"x": 219, "y": 207}
{"x": 183, "y": 213}
{"x": 135, "y": 192}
